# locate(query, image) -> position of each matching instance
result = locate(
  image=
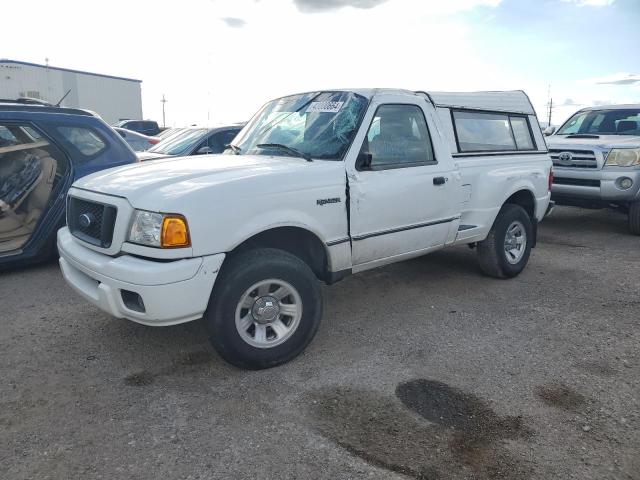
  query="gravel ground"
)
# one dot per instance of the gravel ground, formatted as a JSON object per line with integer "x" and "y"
{"x": 423, "y": 369}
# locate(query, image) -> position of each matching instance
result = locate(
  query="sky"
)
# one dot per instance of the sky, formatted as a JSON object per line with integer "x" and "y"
{"x": 218, "y": 61}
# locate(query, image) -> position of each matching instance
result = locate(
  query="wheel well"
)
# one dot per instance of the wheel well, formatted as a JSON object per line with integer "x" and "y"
{"x": 525, "y": 199}
{"x": 296, "y": 241}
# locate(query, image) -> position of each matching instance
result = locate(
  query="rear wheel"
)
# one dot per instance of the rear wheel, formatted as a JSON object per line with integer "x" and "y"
{"x": 634, "y": 218}
{"x": 505, "y": 252}
{"x": 265, "y": 308}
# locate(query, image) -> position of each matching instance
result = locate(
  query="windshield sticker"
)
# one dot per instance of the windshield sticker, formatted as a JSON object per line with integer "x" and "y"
{"x": 325, "y": 107}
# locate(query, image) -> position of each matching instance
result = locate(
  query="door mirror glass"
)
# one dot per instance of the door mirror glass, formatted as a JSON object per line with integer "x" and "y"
{"x": 204, "y": 150}
{"x": 363, "y": 162}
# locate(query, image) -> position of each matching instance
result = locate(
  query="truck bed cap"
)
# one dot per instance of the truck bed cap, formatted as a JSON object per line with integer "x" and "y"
{"x": 515, "y": 101}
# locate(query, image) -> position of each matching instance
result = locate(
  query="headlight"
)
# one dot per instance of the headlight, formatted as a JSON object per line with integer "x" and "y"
{"x": 160, "y": 230}
{"x": 623, "y": 157}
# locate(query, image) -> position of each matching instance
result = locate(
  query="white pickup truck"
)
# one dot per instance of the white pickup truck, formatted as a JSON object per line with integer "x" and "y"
{"x": 316, "y": 186}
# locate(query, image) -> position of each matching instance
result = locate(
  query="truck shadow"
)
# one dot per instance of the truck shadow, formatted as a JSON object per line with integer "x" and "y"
{"x": 575, "y": 222}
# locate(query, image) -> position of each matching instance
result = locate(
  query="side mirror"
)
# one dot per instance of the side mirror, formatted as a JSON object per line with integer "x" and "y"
{"x": 205, "y": 150}
{"x": 363, "y": 162}
{"x": 550, "y": 130}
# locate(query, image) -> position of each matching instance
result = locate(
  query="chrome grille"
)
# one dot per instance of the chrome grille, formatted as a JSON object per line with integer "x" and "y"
{"x": 92, "y": 222}
{"x": 577, "y": 158}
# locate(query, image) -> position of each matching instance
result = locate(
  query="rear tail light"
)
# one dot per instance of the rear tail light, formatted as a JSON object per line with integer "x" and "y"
{"x": 153, "y": 141}
{"x": 550, "y": 178}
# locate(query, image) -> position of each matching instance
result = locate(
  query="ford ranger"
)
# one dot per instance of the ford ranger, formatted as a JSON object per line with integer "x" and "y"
{"x": 596, "y": 154}
{"x": 315, "y": 187}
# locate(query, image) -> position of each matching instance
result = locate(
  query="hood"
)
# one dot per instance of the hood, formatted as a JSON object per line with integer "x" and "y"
{"x": 604, "y": 142}
{"x": 144, "y": 156}
{"x": 167, "y": 184}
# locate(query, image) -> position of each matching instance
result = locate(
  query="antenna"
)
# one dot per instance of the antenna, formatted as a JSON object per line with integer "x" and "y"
{"x": 63, "y": 97}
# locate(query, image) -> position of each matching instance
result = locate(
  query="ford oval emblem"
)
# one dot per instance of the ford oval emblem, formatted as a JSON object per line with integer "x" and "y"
{"x": 85, "y": 220}
{"x": 565, "y": 157}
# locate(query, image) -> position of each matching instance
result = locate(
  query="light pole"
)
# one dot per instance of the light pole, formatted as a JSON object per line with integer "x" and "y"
{"x": 164, "y": 100}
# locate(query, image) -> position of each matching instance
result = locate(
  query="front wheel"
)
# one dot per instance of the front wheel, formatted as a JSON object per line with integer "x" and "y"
{"x": 634, "y": 218}
{"x": 265, "y": 308}
{"x": 505, "y": 252}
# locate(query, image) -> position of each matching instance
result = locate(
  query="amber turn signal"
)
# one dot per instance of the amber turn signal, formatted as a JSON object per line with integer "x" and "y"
{"x": 175, "y": 232}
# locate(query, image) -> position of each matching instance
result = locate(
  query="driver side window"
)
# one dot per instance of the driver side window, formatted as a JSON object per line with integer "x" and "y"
{"x": 398, "y": 137}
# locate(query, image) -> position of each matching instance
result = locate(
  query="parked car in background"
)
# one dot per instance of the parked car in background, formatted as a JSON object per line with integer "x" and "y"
{"x": 168, "y": 132}
{"x": 145, "y": 127}
{"x": 137, "y": 141}
{"x": 192, "y": 141}
{"x": 43, "y": 150}
{"x": 317, "y": 186}
{"x": 596, "y": 157}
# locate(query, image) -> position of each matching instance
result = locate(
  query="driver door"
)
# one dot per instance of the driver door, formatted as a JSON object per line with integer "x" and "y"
{"x": 402, "y": 189}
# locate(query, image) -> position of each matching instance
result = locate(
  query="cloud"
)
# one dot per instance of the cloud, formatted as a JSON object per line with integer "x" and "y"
{"x": 591, "y": 3}
{"x": 234, "y": 22}
{"x": 617, "y": 79}
{"x": 435, "y": 8}
{"x": 570, "y": 102}
{"x": 315, "y": 6}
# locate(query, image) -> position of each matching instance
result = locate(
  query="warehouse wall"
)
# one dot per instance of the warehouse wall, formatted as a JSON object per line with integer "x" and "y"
{"x": 112, "y": 98}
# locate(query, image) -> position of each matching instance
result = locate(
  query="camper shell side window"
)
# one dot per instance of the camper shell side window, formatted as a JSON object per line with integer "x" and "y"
{"x": 483, "y": 131}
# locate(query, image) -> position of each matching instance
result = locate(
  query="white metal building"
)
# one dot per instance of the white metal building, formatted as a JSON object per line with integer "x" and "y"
{"x": 113, "y": 98}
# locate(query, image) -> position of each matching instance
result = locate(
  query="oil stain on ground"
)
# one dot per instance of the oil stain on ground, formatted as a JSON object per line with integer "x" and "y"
{"x": 560, "y": 396}
{"x": 596, "y": 367}
{"x": 428, "y": 431}
{"x": 139, "y": 379}
{"x": 188, "y": 361}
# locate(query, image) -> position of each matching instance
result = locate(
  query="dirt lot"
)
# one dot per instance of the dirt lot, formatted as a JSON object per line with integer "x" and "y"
{"x": 424, "y": 369}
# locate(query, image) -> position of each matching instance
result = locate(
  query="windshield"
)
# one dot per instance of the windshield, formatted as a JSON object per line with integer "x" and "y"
{"x": 318, "y": 125}
{"x": 180, "y": 142}
{"x": 603, "y": 122}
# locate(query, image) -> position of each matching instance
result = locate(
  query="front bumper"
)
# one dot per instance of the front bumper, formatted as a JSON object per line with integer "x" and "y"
{"x": 172, "y": 292}
{"x": 598, "y": 185}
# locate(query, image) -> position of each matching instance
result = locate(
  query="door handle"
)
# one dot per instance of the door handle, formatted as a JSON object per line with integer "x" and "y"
{"x": 439, "y": 180}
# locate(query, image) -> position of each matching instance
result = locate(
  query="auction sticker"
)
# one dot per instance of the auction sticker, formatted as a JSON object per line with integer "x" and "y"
{"x": 325, "y": 107}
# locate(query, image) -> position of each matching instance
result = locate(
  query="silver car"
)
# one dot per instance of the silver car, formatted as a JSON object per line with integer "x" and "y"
{"x": 193, "y": 141}
{"x": 137, "y": 141}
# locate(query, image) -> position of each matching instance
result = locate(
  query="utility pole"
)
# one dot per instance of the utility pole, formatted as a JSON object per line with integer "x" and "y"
{"x": 549, "y": 105}
{"x": 163, "y": 101}
{"x": 49, "y": 95}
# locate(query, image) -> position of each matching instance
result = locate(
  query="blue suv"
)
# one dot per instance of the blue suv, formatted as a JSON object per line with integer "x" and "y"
{"x": 43, "y": 150}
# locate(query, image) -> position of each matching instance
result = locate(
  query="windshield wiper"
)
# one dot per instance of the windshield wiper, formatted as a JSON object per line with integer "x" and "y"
{"x": 236, "y": 149}
{"x": 289, "y": 149}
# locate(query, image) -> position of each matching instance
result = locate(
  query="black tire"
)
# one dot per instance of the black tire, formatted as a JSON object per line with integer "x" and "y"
{"x": 491, "y": 251}
{"x": 239, "y": 273}
{"x": 634, "y": 218}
